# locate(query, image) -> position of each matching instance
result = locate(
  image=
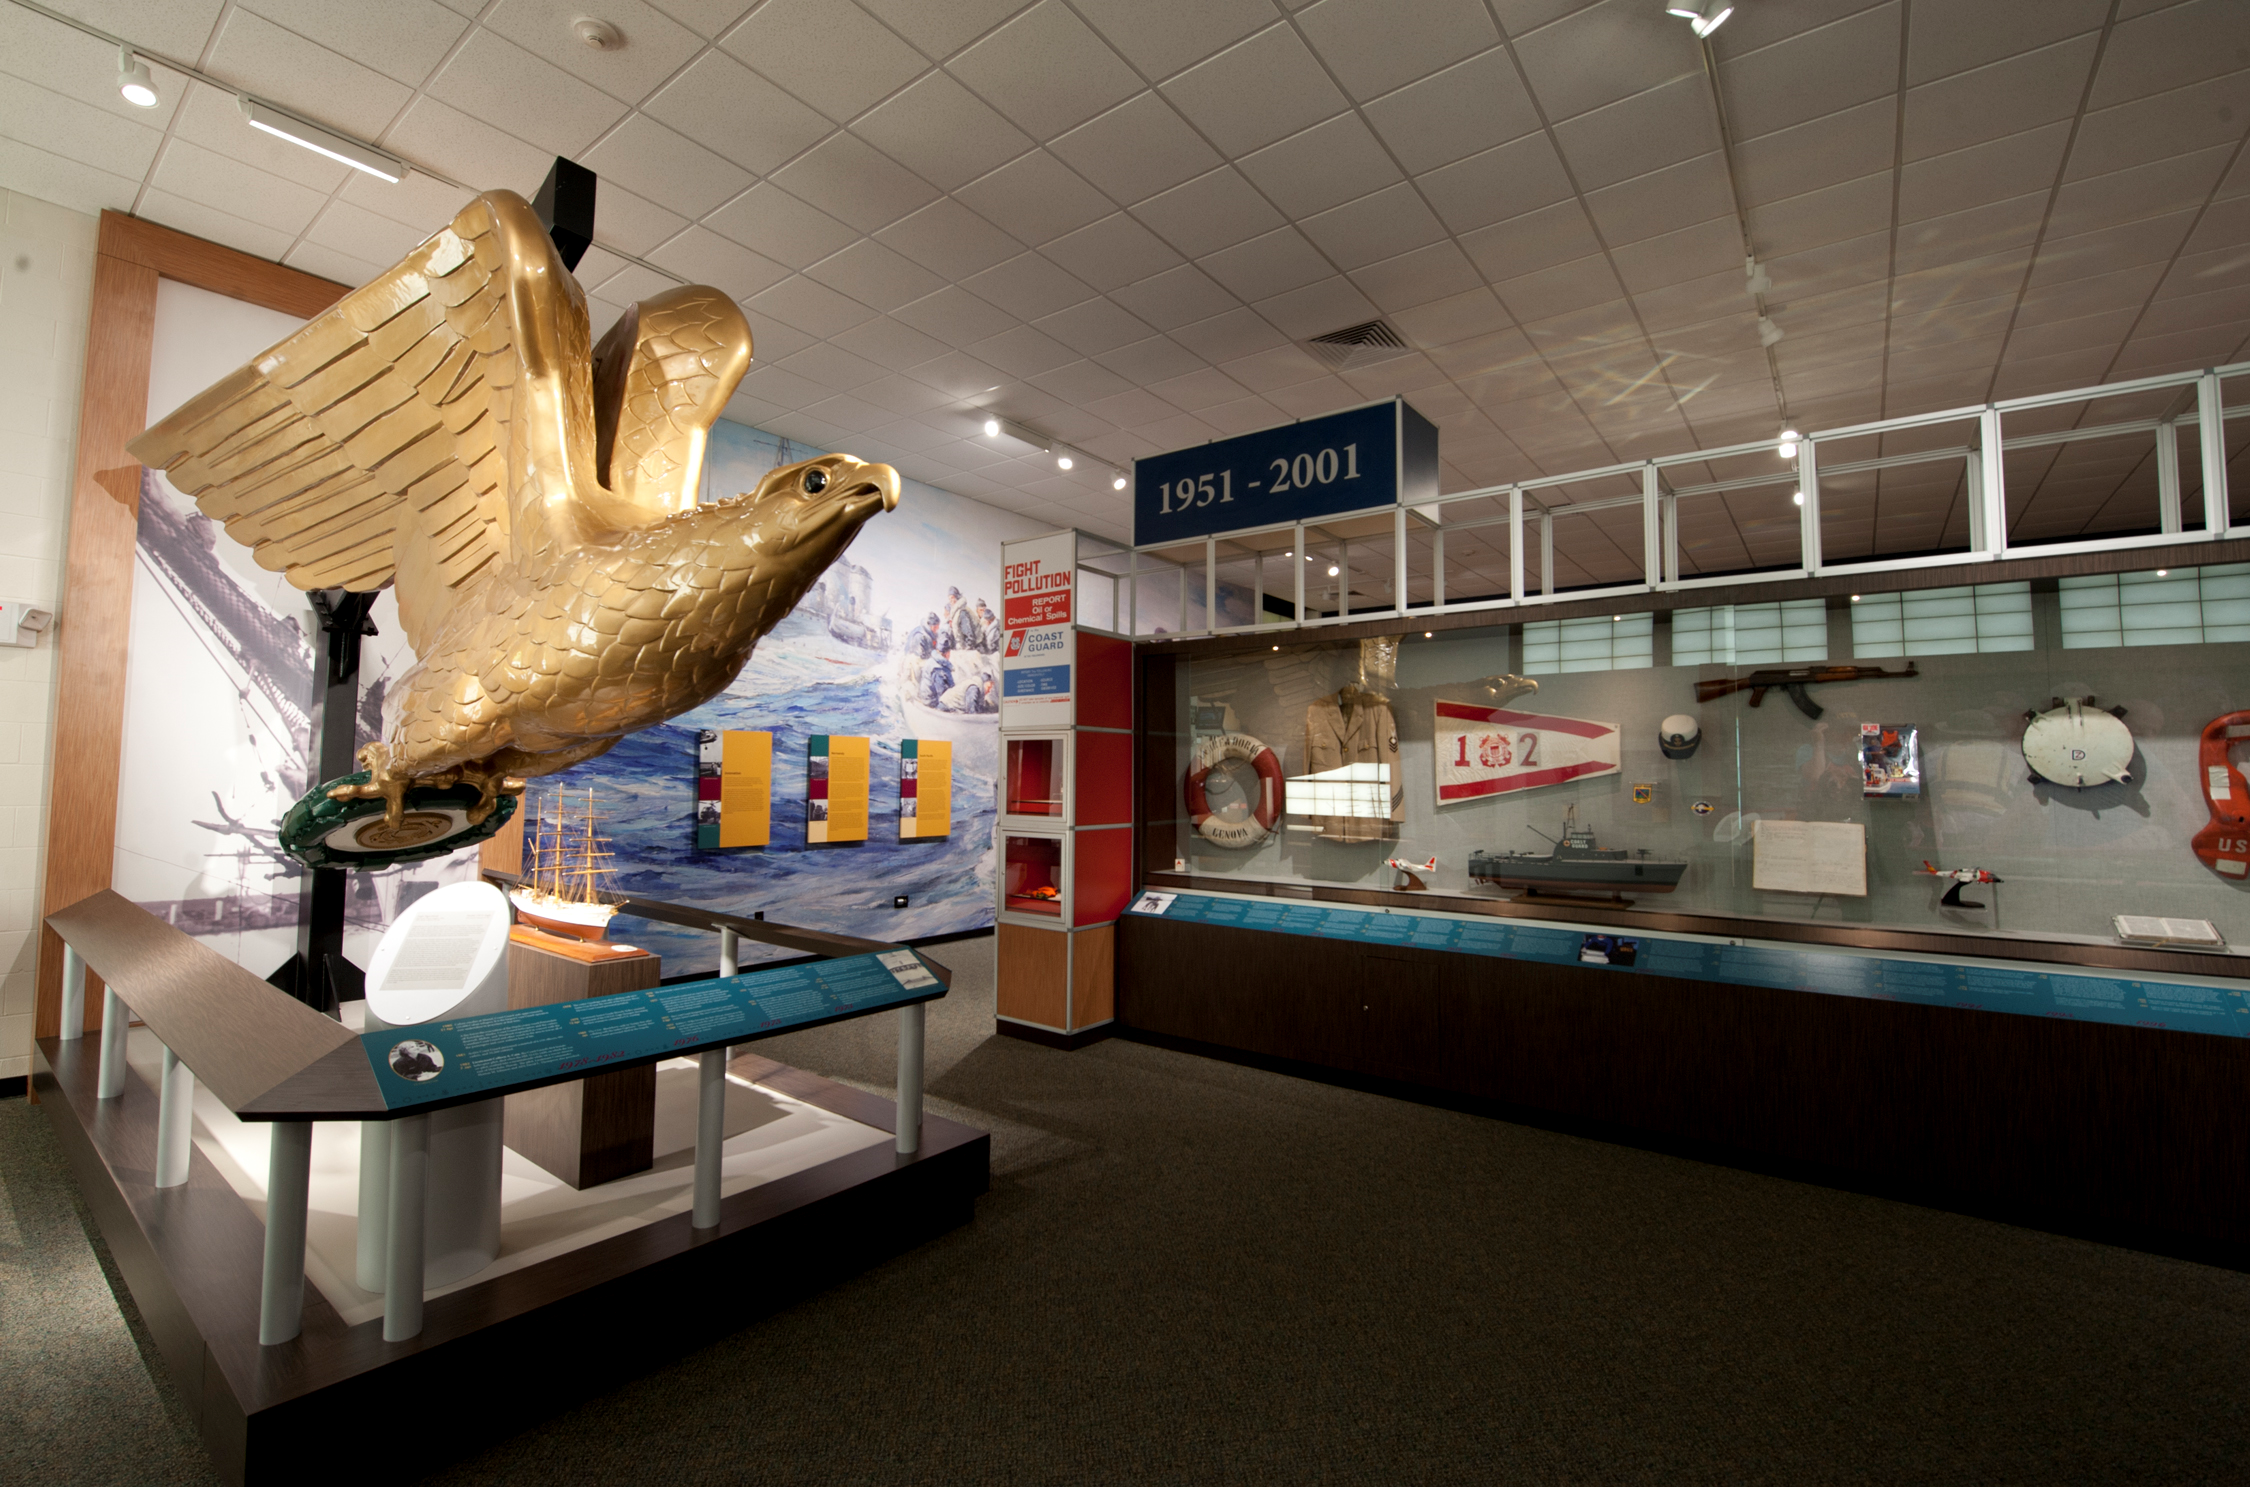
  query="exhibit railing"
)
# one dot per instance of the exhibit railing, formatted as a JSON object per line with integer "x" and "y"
{"x": 1963, "y": 478}
{"x": 268, "y": 1057}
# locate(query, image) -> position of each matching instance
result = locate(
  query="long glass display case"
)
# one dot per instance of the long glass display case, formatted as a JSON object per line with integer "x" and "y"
{"x": 2049, "y": 759}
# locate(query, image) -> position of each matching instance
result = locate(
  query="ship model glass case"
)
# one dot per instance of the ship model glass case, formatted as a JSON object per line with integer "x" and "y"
{"x": 1036, "y": 781}
{"x": 2047, "y": 758}
{"x": 1033, "y": 880}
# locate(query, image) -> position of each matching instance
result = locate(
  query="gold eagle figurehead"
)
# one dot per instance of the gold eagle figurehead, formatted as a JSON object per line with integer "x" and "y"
{"x": 449, "y": 429}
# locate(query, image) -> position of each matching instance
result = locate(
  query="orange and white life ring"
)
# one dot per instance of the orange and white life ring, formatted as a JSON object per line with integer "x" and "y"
{"x": 1247, "y": 831}
{"x": 2223, "y": 844}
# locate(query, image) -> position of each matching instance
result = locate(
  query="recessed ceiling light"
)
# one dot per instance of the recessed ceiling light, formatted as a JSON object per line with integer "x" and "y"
{"x": 992, "y": 428}
{"x": 311, "y": 137}
{"x": 1702, "y": 16}
{"x": 133, "y": 79}
{"x": 1769, "y": 334}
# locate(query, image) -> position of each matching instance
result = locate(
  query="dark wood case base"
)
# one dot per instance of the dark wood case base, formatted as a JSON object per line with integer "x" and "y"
{"x": 2131, "y": 1135}
{"x": 497, "y": 1357}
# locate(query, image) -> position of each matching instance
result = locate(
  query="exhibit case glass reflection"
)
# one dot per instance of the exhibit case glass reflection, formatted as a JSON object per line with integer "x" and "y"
{"x": 2049, "y": 759}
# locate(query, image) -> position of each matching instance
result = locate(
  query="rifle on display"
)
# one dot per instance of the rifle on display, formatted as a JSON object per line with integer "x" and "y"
{"x": 1758, "y": 683}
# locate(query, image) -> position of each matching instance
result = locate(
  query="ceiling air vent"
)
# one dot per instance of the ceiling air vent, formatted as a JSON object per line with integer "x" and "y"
{"x": 1359, "y": 345}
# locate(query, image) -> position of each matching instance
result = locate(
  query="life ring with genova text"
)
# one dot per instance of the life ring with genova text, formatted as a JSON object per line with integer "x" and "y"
{"x": 1216, "y": 829}
{"x": 2223, "y": 844}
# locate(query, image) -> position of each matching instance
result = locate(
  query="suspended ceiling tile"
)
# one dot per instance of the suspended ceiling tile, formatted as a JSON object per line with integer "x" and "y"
{"x": 771, "y": 221}
{"x": 1500, "y": 184}
{"x": 1046, "y": 70}
{"x": 1175, "y": 297}
{"x": 1814, "y": 73}
{"x": 2182, "y": 44}
{"x": 1326, "y": 165}
{"x": 1162, "y": 36}
{"x": 1375, "y": 46}
{"x": 671, "y": 169}
{"x": 1317, "y": 308}
{"x": 1438, "y": 271}
{"x": 403, "y": 40}
{"x": 1693, "y": 301}
{"x": 2008, "y": 226}
{"x": 2199, "y": 273}
{"x": 1663, "y": 201}
{"x": 656, "y": 46}
{"x": 332, "y": 264}
{"x": 889, "y": 343}
{"x": 2003, "y": 98}
{"x": 1646, "y": 132}
{"x": 1028, "y": 286}
{"x": 811, "y": 307}
{"x": 79, "y": 132}
{"x": 180, "y": 27}
{"x": 1211, "y": 212}
{"x": 831, "y": 54}
{"x": 1554, "y": 291}
{"x": 1112, "y": 252}
{"x": 1235, "y": 333}
{"x": 2181, "y": 183}
{"x": 1457, "y": 321}
{"x": 2151, "y": 242}
{"x": 1036, "y": 198}
{"x": 942, "y": 30}
{"x": 1820, "y": 218}
{"x": 1266, "y": 371}
{"x": 1095, "y": 326}
{"x": 1533, "y": 241}
{"x": 1939, "y": 184}
{"x": 1709, "y": 248}
{"x": 902, "y": 395}
{"x": 1148, "y": 360}
{"x": 502, "y": 85}
{"x": 2162, "y": 125}
{"x": 1275, "y": 263}
{"x": 353, "y": 230}
{"x": 1456, "y": 113}
{"x": 724, "y": 106}
{"x": 1265, "y": 88}
{"x": 845, "y": 177}
{"x": 1081, "y": 383}
{"x": 1137, "y": 149}
{"x": 423, "y": 203}
{"x": 1605, "y": 52}
{"x": 1841, "y": 146}
{"x": 625, "y": 220}
{"x": 1832, "y": 267}
{"x": 192, "y": 173}
{"x": 1312, "y": 399}
{"x": 191, "y": 215}
{"x": 1023, "y": 352}
{"x": 874, "y": 275}
{"x": 833, "y": 366}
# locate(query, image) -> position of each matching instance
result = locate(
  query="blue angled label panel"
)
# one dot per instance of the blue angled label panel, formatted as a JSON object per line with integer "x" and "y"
{"x": 503, "y": 1050}
{"x": 2078, "y": 995}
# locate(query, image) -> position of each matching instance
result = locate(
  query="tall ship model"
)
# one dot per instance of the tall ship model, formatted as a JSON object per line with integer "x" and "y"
{"x": 569, "y": 869}
{"x": 1578, "y": 864}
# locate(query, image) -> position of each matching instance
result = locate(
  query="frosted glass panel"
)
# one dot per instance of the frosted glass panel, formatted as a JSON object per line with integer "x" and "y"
{"x": 1602, "y": 643}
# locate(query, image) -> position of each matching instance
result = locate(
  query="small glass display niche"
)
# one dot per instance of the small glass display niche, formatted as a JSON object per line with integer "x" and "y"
{"x": 1033, "y": 869}
{"x": 1575, "y": 791}
{"x": 1035, "y": 778}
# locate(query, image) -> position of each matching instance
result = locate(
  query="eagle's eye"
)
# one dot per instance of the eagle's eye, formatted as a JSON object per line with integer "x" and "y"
{"x": 815, "y": 481}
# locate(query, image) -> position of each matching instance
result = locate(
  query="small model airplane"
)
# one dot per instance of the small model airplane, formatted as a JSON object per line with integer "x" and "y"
{"x": 1411, "y": 871}
{"x": 1962, "y": 877}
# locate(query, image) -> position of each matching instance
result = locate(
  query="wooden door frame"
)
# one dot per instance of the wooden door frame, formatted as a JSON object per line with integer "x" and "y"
{"x": 95, "y": 607}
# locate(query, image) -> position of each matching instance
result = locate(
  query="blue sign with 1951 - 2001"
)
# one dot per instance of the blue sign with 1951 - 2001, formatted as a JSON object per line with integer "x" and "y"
{"x": 1378, "y": 455}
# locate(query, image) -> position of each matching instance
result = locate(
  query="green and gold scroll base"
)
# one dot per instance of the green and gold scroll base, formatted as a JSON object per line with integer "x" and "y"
{"x": 320, "y": 831}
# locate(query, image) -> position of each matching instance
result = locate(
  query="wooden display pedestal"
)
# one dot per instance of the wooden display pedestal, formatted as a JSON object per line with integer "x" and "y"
{"x": 600, "y": 1128}
{"x": 1056, "y": 986}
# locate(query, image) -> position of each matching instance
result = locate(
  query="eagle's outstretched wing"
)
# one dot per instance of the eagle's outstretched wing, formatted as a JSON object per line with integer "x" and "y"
{"x": 436, "y": 422}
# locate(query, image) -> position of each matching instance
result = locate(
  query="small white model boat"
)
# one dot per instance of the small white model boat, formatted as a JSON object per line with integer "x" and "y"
{"x": 562, "y": 890}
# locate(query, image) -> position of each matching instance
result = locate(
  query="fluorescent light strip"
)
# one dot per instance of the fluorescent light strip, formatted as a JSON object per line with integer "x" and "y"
{"x": 343, "y": 151}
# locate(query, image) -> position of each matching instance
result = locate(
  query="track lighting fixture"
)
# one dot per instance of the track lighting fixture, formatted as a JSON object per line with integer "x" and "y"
{"x": 991, "y": 428}
{"x": 1754, "y": 276}
{"x": 1703, "y": 16}
{"x": 1797, "y": 498}
{"x": 1769, "y": 334}
{"x": 1117, "y": 482}
{"x": 343, "y": 151}
{"x": 133, "y": 79}
{"x": 1062, "y": 461}
{"x": 1787, "y": 449}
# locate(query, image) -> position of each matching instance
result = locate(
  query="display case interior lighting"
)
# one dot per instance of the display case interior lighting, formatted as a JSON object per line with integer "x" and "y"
{"x": 344, "y": 151}
{"x": 133, "y": 79}
{"x": 1352, "y": 790}
{"x": 1702, "y": 16}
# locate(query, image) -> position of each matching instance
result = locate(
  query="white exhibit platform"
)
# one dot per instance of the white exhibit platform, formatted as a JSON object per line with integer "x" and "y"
{"x": 769, "y": 1136}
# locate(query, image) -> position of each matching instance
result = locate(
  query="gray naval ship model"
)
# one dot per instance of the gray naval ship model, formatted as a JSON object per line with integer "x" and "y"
{"x": 1577, "y": 865}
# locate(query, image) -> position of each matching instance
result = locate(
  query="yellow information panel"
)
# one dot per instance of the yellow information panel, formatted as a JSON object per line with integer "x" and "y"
{"x": 836, "y": 788}
{"x": 925, "y": 788}
{"x": 746, "y": 790}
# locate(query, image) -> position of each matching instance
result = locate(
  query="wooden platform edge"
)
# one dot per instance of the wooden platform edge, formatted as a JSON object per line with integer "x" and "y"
{"x": 525, "y": 1344}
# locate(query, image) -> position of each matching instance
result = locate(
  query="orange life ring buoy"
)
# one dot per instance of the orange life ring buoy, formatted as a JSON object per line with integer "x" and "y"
{"x": 2223, "y": 844}
{"x": 1214, "y": 828}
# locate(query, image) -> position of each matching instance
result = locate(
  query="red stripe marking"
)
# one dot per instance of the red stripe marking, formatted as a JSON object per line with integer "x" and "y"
{"x": 1577, "y": 727}
{"x": 1526, "y": 781}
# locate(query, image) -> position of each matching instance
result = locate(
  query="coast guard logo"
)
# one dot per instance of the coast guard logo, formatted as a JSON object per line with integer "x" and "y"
{"x": 1015, "y": 642}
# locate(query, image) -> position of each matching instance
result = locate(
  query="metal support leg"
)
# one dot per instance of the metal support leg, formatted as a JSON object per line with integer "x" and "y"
{"x": 372, "y": 1269}
{"x": 710, "y": 1134}
{"x": 116, "y": 1018}
{"x": 175, "y": 1121}
{"x": 281, "y": 1293}
{"x": 73, "y": 995}
{"x": 410, "y": 1187}
{"x": 910, "y": 1024}
{"x": 730, "y": 953}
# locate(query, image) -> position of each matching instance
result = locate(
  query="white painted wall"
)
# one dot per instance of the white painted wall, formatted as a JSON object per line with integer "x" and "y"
{"x": 46, "y": 288}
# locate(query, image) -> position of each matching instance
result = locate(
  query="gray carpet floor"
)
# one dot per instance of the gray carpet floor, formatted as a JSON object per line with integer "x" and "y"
{"x": 1190, "y": 1271}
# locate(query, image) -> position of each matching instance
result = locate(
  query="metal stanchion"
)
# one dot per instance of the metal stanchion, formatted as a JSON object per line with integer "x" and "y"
{"x": 372, "y": 1257}
{"x": 710, "y": 1134}
{"x": 175, "y": 1120}
{"x": 410, "y": 1185}
{"x": 730, "y": 953}
{"x": 281, "y": 1293}
{"x": 116, "y": 1017}
{"x": 73, "y": 994}
{"x": 910, "y": 1078}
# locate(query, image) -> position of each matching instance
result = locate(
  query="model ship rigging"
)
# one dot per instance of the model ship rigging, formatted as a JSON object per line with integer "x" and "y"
{"x": 563, "y": 890}
{"x": 1578, "y": 864}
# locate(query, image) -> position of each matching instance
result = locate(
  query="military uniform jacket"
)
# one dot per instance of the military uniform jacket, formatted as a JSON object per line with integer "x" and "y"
{"x": 1363, "y": 733}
